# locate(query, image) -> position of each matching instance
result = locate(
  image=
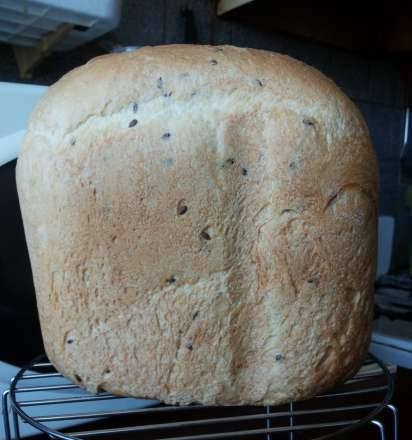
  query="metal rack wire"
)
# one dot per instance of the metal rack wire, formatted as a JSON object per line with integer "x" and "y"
{"x": 362, "y": 402}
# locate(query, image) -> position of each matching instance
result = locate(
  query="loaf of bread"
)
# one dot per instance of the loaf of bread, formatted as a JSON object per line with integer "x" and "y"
{"x": 201, "y": 223}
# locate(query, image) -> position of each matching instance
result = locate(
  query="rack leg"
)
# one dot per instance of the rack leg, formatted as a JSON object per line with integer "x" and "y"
{"x": 268, "y": 424}
{"x": 291, "y": 433}
{"x": 6, "y": 420}
{"x": 16, "y": 425}
{"x": 380, "y": 428}
{"x": 394, "y": 412}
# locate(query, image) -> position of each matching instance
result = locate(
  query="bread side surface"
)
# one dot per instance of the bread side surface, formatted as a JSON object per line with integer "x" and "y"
{"x": 205, "y": 219}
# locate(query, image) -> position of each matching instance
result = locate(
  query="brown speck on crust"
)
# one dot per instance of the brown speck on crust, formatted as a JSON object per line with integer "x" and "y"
{"x": 182, "y": 207}
{"x": 213, "y": 62}
{"x": 309, "y": 122}
{"x": 218, "y": 49}
{"x": 189, "y": 347}
{"x": 230, "y": 161}
{"x": 292, "y": 165}
{"x": 313, "y": 281}
{"x": 171, "y": 280}
{"x": 259, "y": 82}
{"x": 78, "y": 378}
{"x": 205, "y": 234}
{"x": 132, "y": 123}
{"x": 167, "y": 163}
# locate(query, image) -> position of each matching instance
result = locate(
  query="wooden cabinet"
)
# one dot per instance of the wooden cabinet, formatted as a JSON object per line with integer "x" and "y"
{"x": 377, "y": 26}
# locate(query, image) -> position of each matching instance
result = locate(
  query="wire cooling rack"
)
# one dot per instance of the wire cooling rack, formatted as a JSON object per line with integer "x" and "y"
{"x": 362, "y": 402}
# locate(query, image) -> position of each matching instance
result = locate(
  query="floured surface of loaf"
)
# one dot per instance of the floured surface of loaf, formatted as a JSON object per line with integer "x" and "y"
{"x": 201, "y": 223}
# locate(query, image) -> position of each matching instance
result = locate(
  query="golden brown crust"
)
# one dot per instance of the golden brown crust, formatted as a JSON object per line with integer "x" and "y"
{"x": 205, "y": 219}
